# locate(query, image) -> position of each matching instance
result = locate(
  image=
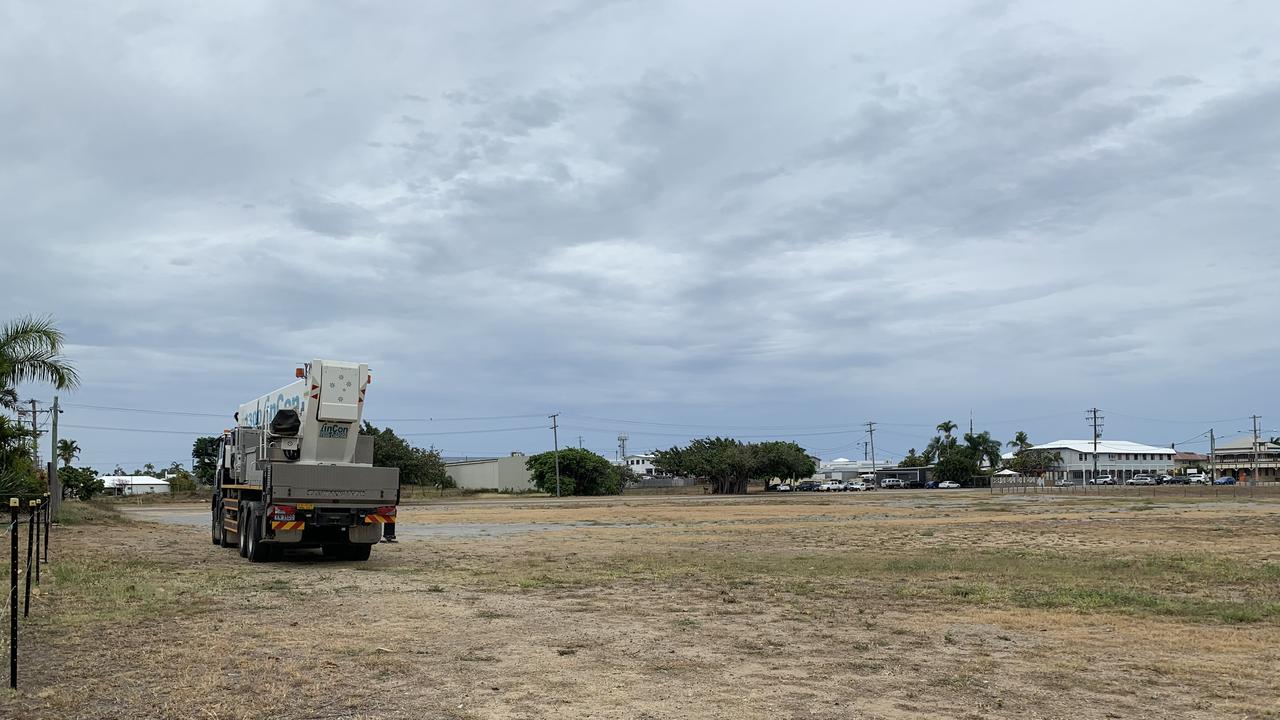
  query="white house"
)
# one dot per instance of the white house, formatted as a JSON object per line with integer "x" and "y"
{"x": 641, "y": 464}
{"x": 1120, "y": 459}
{"x": 133, "y": 484}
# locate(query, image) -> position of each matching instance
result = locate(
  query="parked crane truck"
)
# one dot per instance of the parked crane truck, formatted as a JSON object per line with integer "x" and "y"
{"x": 295, "y": 472}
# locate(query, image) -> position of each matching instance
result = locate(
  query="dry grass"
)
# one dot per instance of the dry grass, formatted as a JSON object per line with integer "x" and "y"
{"x": 895, "y": 606}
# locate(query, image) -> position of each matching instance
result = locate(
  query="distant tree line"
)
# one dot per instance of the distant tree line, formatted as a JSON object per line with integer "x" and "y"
{"x": 729, "y": 465}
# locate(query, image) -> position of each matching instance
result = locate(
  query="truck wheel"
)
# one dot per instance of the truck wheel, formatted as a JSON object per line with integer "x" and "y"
{"x": 257, "y": 551}
{"x": 217, "y": 523}
{"x": 242, "y": 531}
{"x": 357, "y": 551}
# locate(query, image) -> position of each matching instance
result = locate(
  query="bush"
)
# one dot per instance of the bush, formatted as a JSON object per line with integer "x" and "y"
{"x": 582, "y": 472}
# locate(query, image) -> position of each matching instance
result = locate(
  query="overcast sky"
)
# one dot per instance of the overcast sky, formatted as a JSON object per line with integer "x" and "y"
{"x": 669, "y": 219}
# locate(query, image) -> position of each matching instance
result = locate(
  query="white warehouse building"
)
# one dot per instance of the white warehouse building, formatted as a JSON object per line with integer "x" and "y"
{"x": 1120, "y": 459}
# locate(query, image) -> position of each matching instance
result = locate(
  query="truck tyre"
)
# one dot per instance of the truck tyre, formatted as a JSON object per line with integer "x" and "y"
{"x": 358, "y": 551}
{"x": 242, "y": 531}
{"x": 216, "y": 513}
{"x": 257, "y": 551}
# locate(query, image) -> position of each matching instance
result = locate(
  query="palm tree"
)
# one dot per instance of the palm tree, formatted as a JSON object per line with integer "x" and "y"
{"x": 31, "y": 351}
{"x": 946, "y": 427}
{"x": 8, "y": 398}
{"x": 1020, "y": 441}
{"x": 68, "y": 450}
{"x": 984, "y": 447}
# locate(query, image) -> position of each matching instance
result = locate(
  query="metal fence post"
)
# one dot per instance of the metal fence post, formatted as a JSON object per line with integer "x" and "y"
{"x": 13, "y": 593}
{"x": 38, "y": 518}
{"x": 31, "y": 526}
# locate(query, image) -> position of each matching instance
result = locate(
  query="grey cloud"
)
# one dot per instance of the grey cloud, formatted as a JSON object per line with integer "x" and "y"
{"x": 647, "y": 211}
{"x": 332, "y": 218}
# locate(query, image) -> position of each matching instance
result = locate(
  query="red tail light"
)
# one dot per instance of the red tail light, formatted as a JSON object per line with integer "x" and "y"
{"x": 283, "y": 513}
{"x": 387, "y": 510}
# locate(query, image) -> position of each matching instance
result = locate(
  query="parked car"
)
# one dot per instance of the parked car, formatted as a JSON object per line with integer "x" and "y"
{"x": 783, "y": 488}
{"x": 948, "y": 484}
{"x": 1170, "y": 480}
{"x": 913, "y": 484}
{"x": 931, "y": 484}
{"x": 808, "y": 486}
{"x": 1225, "y": 480}
{"x": 888, "y": 483}
{"x": 830, "y": 486}
{"x": 1140, "y": 480}
{"x": 1103, "y": 480}
{"x": 1197, "y": 479}
{"x": 856, "y": 486}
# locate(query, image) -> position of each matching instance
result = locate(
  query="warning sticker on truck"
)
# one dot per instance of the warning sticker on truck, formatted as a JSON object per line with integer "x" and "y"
{"x": 332, "y": 430}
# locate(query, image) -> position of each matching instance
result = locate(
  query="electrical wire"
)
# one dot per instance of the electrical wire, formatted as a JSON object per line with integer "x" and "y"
{"x": 144, "y": 410}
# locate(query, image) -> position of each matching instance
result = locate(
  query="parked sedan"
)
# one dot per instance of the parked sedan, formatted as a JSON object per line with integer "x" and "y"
{"x": 1225, "y": 480}
{"x": 1140, "y": 480}
{"x": 948, "y": 484}
{"x": 783, "y": 488}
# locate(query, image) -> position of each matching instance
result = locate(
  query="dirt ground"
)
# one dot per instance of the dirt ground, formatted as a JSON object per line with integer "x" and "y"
{"x": 908, "y": 605}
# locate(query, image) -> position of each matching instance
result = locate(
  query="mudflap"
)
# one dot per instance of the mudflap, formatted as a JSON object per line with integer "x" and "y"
{"x": 365, "y": 534}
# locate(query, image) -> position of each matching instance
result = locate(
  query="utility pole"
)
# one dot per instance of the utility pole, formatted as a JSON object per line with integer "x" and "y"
{"x": 864, "y": 449}
{"x": 555, "y": 437}
{"x": 622, "y": 447}
{"x": 1213, "y": 457}
{"x": 35, "y": 436}
{"x": 1253, "y": 476}
{"x": 1096, "y": 421}
{"x": 579, "y": 442}
{"x": 55, "y": 486}
{"x": 871, "y": 432}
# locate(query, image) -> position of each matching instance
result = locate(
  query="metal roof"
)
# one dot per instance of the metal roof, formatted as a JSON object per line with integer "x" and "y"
{"x": 1105, "y": 446}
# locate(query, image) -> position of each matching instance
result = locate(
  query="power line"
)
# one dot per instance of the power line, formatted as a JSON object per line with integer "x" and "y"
{"x": 147, "y": 411}
{"x": 471, "y": 432}
{"x": 140, "y": 430}
{"x": 843, "y": 426}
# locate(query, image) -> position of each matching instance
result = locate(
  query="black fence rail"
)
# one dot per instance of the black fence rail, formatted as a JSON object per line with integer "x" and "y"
{"x": 33, "y": 515}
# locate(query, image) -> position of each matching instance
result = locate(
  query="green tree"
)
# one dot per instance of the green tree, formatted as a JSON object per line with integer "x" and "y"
{"x": 68, "y": 450}
{"x": 148, "y": 469}
{"x": 1020, "y": 441}
{"x": 1034, "y": 463}
{"x": 417, "y": 466}
{"x": 913, "y": 460}
{"x": 784, "y": 460}
{"x": 31, "y": 351}
{"x": 18, "y": 474}
{"x": 82, "y": 483}
{"x": 582, "y": 472}
{"x": 8, "y": 398}
{"x": 205, "y": 453}
{"x": 729, "y": 465}
{"x": 946, "y": 427}
{"x": 983, "y": 447}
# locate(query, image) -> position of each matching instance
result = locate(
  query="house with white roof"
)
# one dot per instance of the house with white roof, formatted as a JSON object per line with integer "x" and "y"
{"x": 1120, "y": 459}
{"x": 133, "y": 484}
